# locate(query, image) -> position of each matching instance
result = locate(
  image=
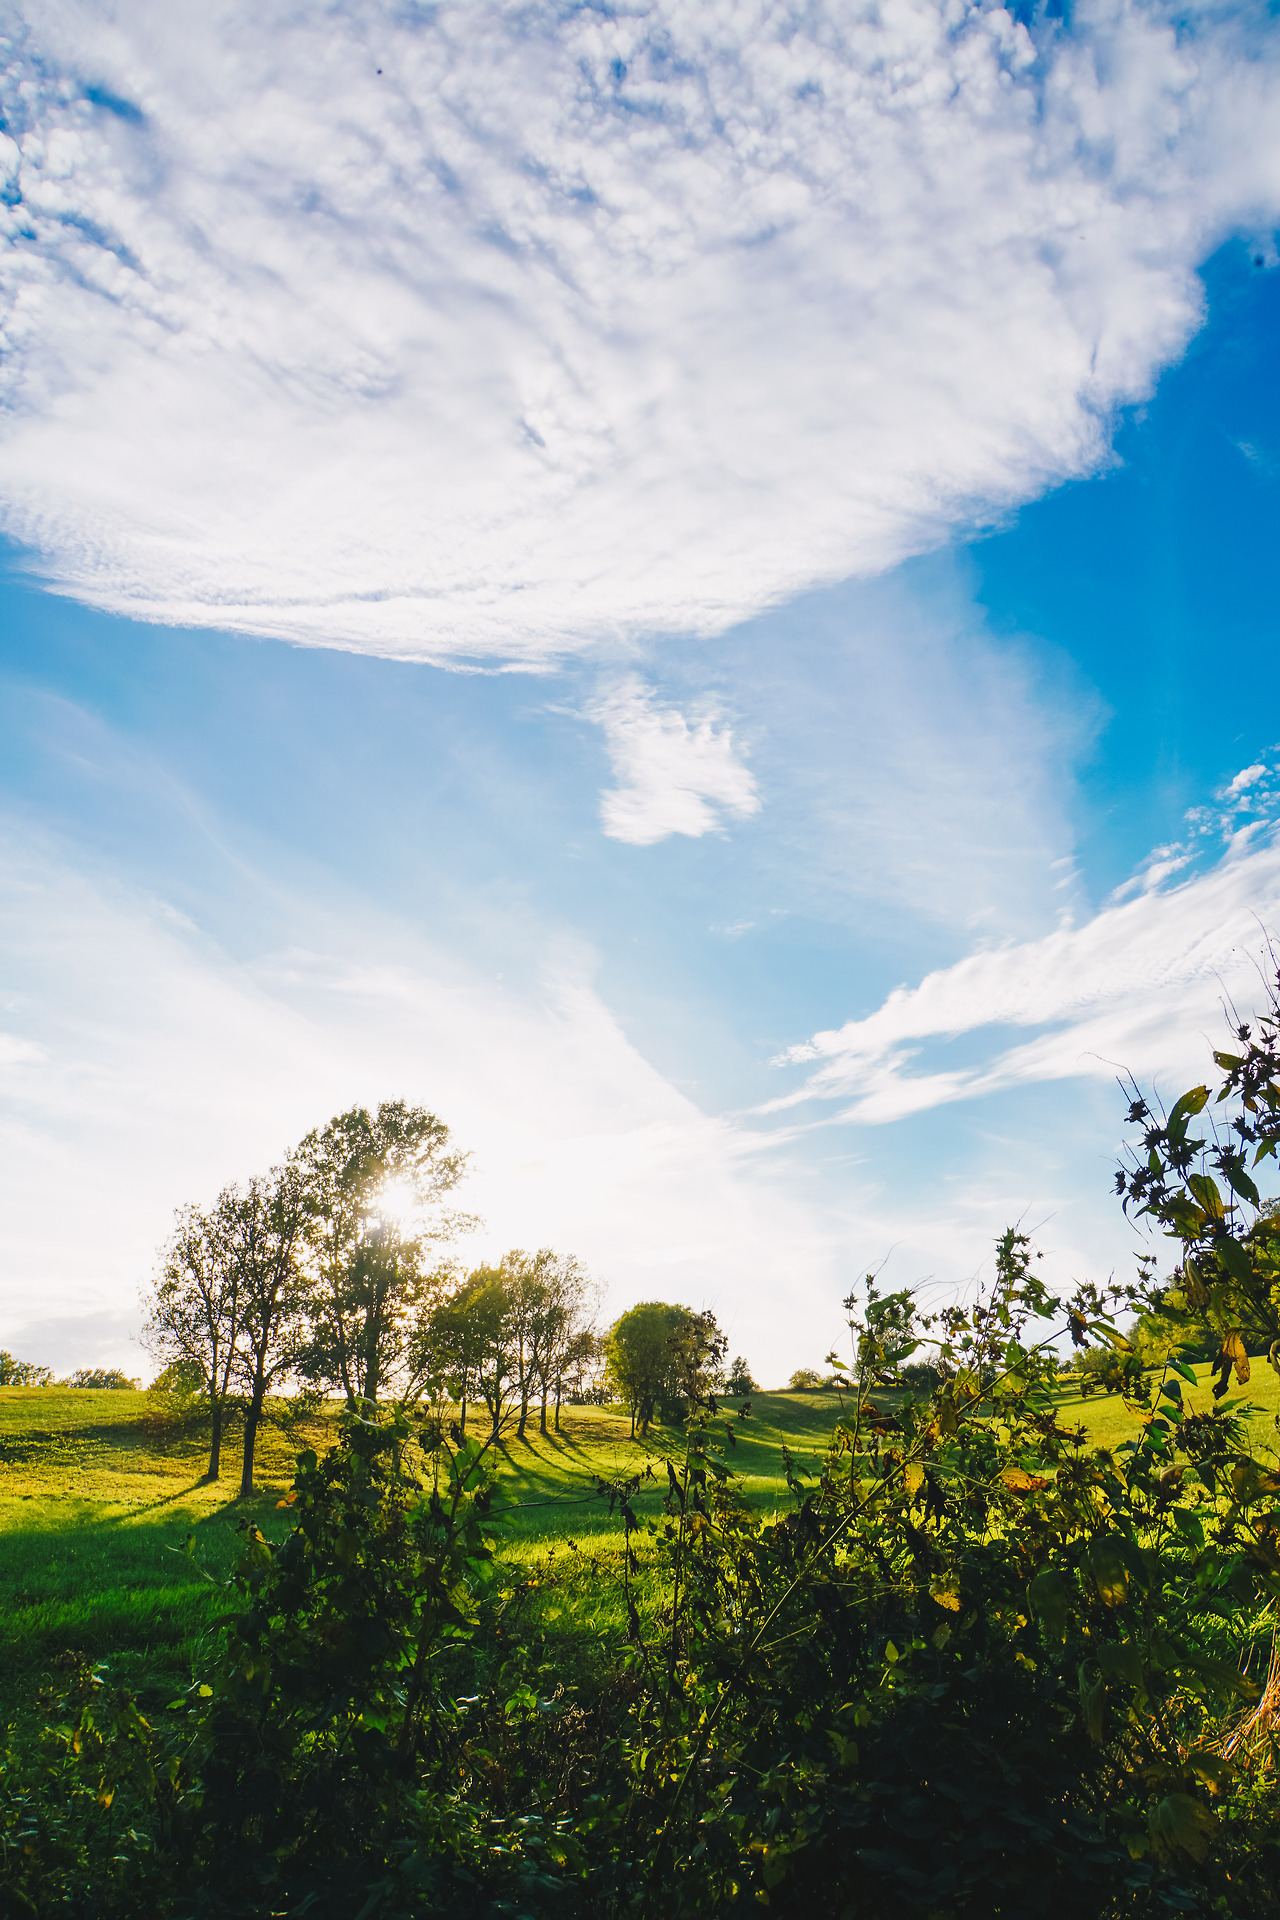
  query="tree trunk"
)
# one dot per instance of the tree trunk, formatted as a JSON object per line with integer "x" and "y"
{"x": 542, "y": 1417}
{"x": 253, "y": 1415}
{"x": 373, "y": 1348}
{"x": 462, "y": 1424}
{"x": 524, "y": 1414}
{"x": 559, "y": 1384}
{"x": 215, "y": 1437}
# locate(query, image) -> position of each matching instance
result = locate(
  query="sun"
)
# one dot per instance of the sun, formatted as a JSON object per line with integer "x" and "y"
{"x": 397, "y": 1202}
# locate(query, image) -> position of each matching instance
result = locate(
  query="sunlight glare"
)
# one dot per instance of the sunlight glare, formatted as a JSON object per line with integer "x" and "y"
{"x": 397, "y": 1202}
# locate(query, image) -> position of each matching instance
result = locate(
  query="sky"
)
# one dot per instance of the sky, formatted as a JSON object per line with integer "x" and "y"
{"x": 688, "y": 585}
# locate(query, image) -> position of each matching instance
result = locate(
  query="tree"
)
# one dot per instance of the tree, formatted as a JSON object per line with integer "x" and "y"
{"x": 583, "y": 1379}
{"x": 548, "y": 1296}
{"x": 738, "y": 1379}
{"x": 111, "y": 1378}
{"x": 263, "y": 1226}
{"x": 528, "y": 1305}
{"x": 450, "y": 1339}
{"x": 641, "y": 1368}
{"x": 466, "y": 1343}
{"x": 698, "y": 1350}
{"x": 495, "y": 1372}
{"x": 22, "y": 1373}
{"x": 804, "y": 1380}
{"x": 180, "y": 1379}
{"x": 572, "y": 1339}
{"x": 362, "y": 1177}
{"x": 193, "y": 1312}
{"x": 663, "y": 1357}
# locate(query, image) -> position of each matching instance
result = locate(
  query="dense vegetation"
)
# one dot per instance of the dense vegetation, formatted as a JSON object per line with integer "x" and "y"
{"x": 979, "y": 1657}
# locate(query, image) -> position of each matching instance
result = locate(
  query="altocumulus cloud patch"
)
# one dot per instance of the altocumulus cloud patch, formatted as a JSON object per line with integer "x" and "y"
{"x": 495, "y": 332}
{"x": 675, "y": 774}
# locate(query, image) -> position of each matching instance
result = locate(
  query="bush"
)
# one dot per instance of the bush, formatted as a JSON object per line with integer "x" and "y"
{"x": 182, "y": 1379}
{"x": 920, "y": 1377}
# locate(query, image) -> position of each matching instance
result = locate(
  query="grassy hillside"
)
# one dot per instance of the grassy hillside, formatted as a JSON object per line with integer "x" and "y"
{"x": 109, "y": 1543}
{"x": 1108, "y": 1421}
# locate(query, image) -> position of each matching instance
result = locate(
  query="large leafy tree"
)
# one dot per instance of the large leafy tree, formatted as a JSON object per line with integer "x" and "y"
{"x": 374, "y": 1186}
{"x": 640, "y": 1361}
{"x": 662, "y": 1357}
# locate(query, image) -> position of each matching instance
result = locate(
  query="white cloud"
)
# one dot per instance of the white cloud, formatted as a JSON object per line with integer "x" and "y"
{"x": 18, "y": 1053}
{"x": 157, "y": 1067}
{"x": 1140, "y": 986}
{"x": 674, "y": 776}
{"x": 493, "y": 330}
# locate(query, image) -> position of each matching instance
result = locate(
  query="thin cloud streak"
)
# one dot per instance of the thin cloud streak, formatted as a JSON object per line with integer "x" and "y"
{"x": 496, "y": 333}
{"x": 1140, "y": 987}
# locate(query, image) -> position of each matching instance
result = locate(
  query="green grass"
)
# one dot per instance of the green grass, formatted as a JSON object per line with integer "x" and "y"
{"x": 1109, "y": 1421}
{"x": 110, "y": 1544}
{"x": 100, "y": 1493}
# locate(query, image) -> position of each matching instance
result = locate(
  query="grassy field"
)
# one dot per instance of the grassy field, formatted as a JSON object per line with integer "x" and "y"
{"x": 110, "y": 1544}
{"x": 1109, "y": 1422}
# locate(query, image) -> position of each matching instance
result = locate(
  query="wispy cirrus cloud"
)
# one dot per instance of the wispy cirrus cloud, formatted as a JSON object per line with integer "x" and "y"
{"x": 490, "y": 331}
{"x": 1242, "y": 810}
{"x": 674, "y": 773}
{"x": 1139, "y": 987}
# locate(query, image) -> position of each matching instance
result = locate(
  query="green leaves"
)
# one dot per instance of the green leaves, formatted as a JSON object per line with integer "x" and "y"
{"x": 1107, "y": 1561}
{"x": 1206, "y": 1192}
{"x": 1182, "y": 1826}
{"x": 1050, "y": 1595}
{"x": 1122, "y": 1660}
{"x": 1184, "y": 1109}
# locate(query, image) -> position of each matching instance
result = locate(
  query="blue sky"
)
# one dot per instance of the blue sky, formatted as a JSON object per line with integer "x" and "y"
{"x": 706, "y": 632}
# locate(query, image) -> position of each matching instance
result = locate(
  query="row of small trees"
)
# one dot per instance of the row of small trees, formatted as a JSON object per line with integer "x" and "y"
{"x": 328, "y": 1273}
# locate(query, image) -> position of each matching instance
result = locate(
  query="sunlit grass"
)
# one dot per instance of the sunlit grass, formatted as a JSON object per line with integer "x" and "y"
{"x": 1108, "y": 1421}
{"x": 100, "y": 1494}
{"x": 111, "y": 1545}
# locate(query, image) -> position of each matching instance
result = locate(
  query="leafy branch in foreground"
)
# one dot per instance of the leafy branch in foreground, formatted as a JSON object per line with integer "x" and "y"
{"x": 978, "y": 1667}
{"x": 1193, "y": 1172}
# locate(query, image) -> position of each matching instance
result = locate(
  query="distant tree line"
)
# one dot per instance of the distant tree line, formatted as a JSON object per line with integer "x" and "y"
{"x": 24, "y": 1373}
